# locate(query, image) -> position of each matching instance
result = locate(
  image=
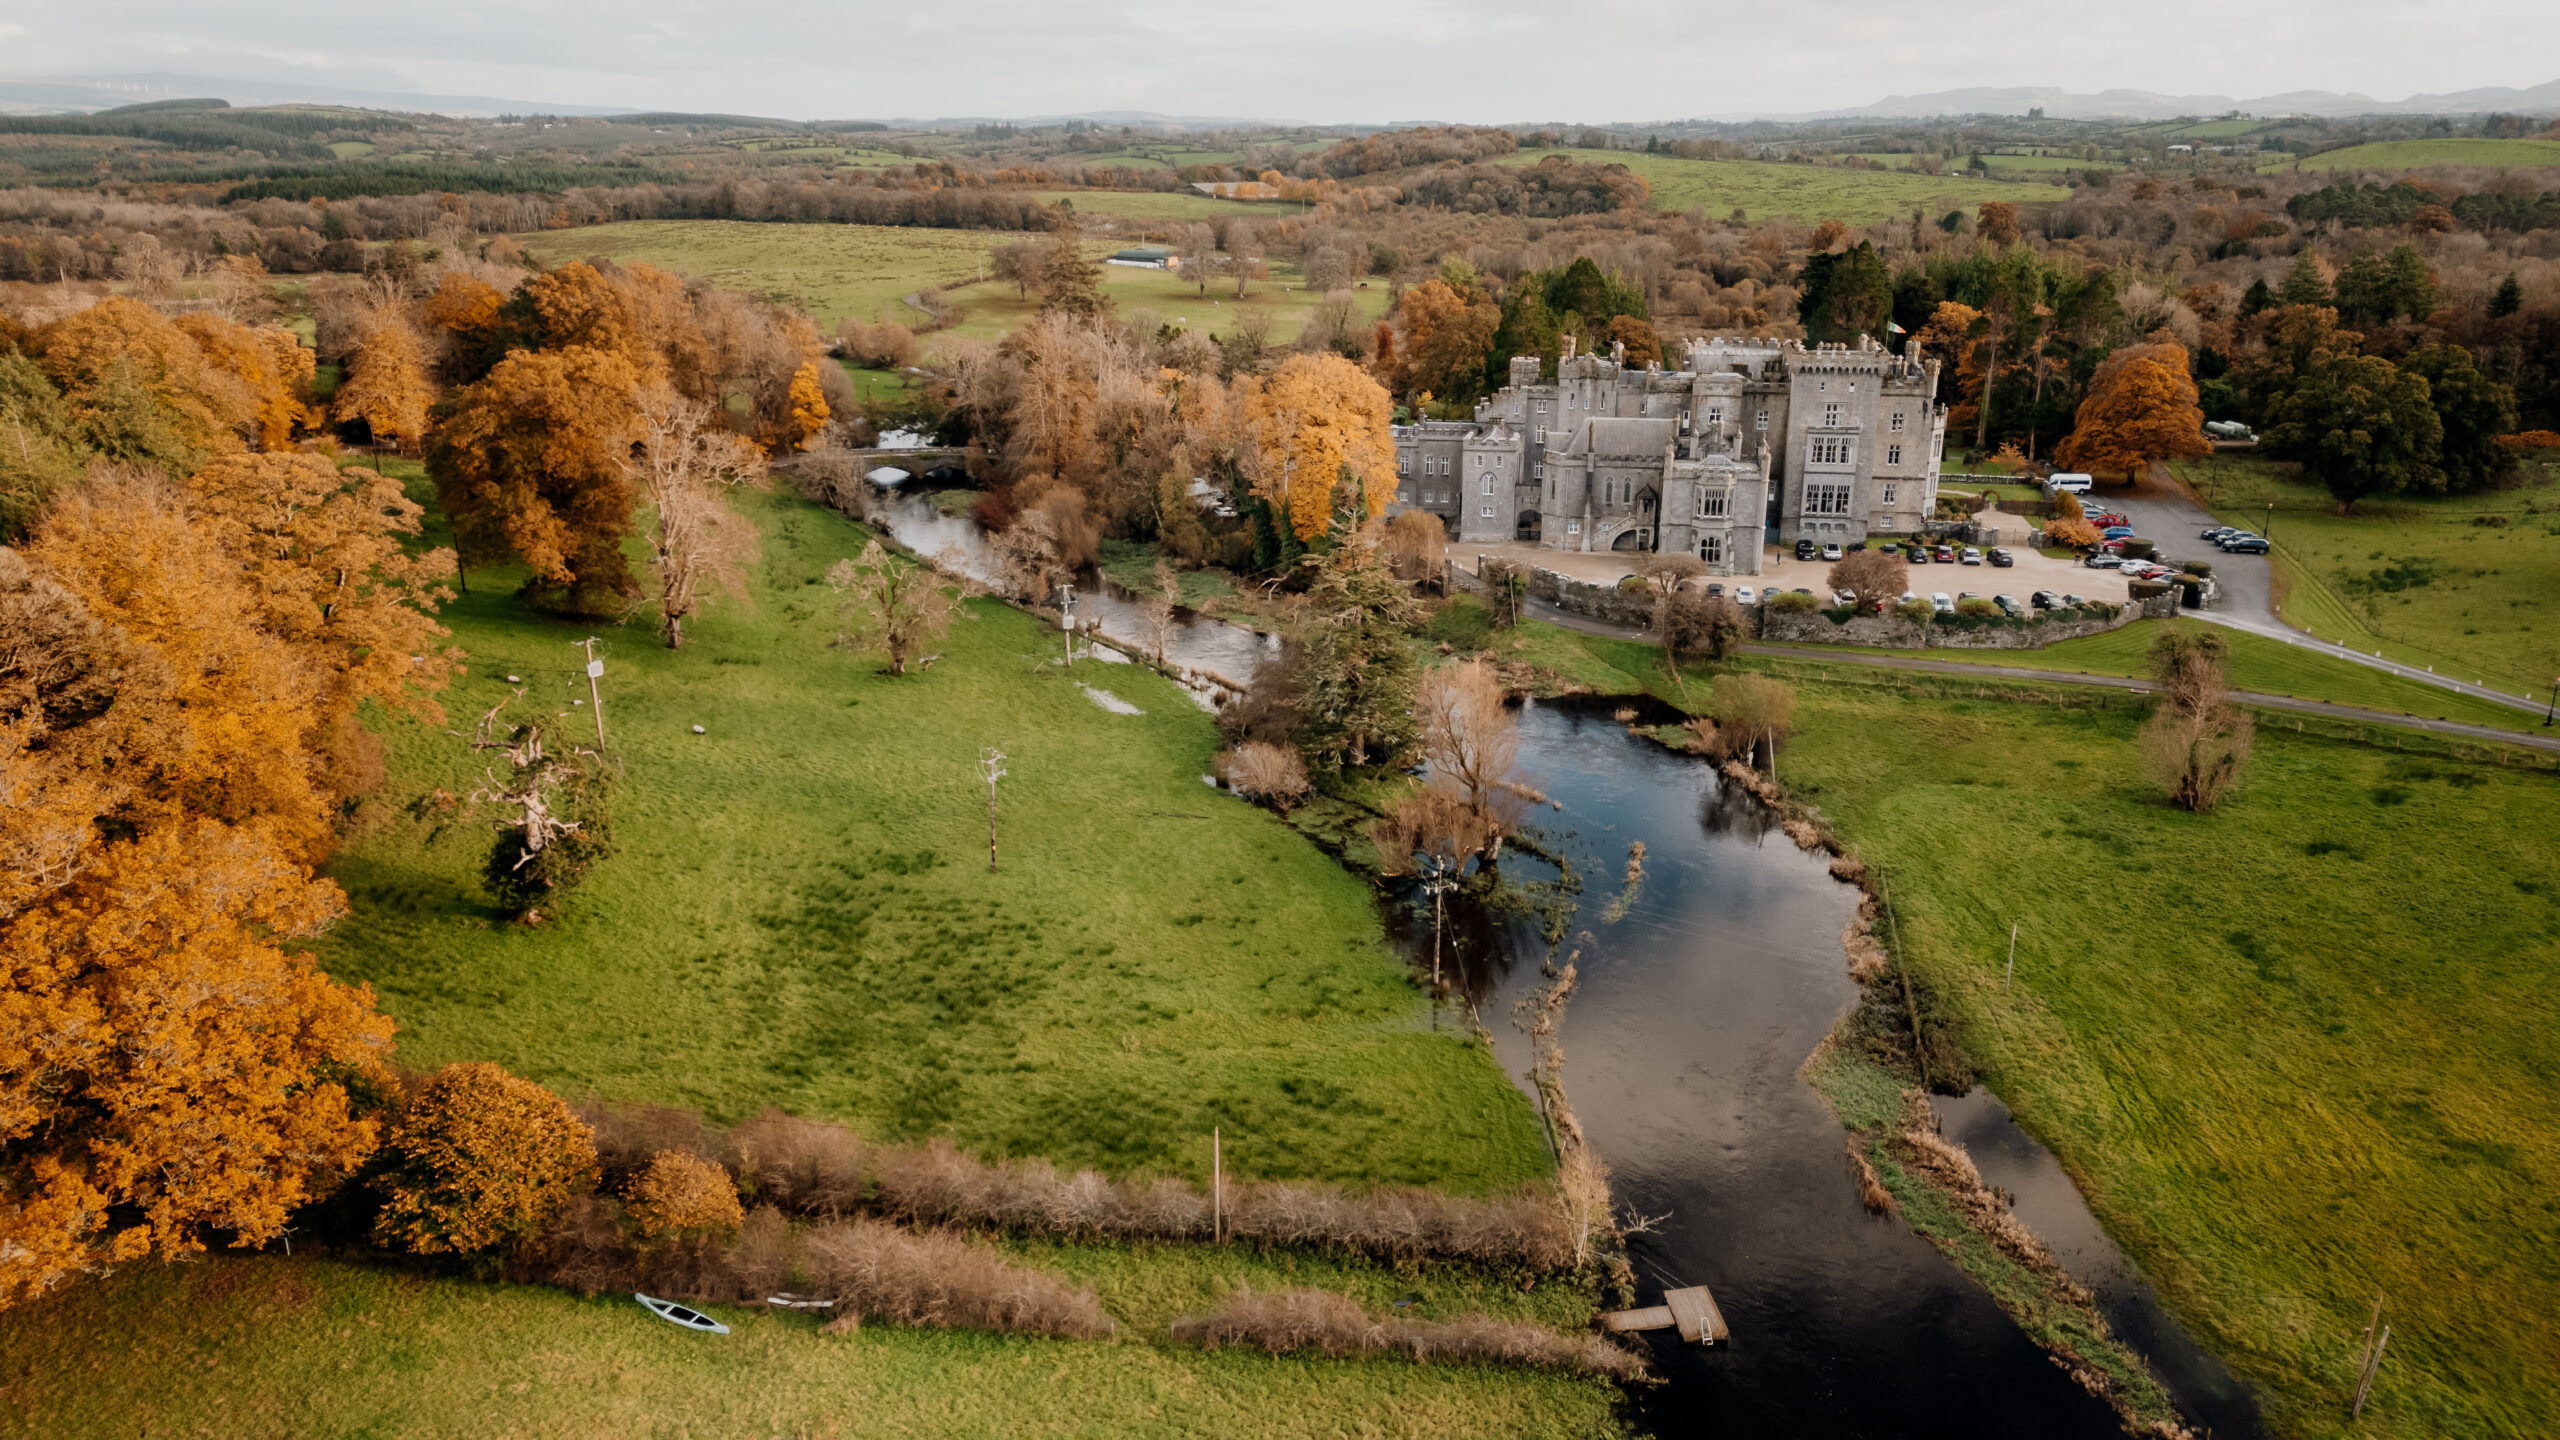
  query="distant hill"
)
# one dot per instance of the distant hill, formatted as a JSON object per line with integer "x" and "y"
{"x": 83, "y": 94}
{"x": 2062, "y": 104}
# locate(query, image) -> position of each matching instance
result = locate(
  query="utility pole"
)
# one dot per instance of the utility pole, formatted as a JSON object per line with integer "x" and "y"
{"x": 595, "y": 696}
{"x": 1067, "y": 620}
{"x": 1217, "y": 1187}
{"x": 991, "y": 765}
{"x": 2013, "y": 956}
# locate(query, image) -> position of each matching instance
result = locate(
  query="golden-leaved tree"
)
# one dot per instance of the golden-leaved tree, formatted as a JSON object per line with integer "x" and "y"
{"x": 1448, "y": 332}
{"x": 2141, "y": 407}
{"x": 166, "y": 1065}
{"x": 809, "y": 413}
{"x": 1317, "y": 424}
{"x": 139, "y": 388}
{"x": 270, "y": 362}
{"x": 532, "y": 464}
{"x": 387, "y": 385}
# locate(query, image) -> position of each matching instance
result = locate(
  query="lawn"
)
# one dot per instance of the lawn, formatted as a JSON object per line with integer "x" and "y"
{"x": 2256, "y": 662}
{"x": 320, "y": 1348}
{"x": 2417, "y": 577}
{"x": 799, "y": 913}
{"x": 1766, "y": 190}
{"x": 2411, "y": 154}
{"x": 2298, "y": 1052}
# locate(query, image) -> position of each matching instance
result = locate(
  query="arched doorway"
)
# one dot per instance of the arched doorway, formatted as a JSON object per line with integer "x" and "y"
{"x": 1633, "y": 540}
{"x": 1528, "y": 527}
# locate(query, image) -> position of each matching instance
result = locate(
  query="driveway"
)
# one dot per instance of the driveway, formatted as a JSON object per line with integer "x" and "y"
{"x": 2164, "y": 511}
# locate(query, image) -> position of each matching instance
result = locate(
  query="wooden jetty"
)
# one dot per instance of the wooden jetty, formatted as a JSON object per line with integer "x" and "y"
{"x": 1692, "y": 1310}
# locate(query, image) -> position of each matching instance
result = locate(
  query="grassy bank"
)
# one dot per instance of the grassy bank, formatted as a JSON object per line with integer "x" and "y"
{"x": 2464, "y": 583}
{"x": 319, "y": 1348}
{"x": 2297, "y": 1053}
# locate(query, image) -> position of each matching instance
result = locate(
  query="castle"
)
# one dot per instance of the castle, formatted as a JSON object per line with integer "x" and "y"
{"x": 1755, "y": 442}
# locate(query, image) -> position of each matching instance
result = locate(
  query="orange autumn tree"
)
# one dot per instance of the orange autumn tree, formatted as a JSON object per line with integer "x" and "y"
{"x": 1448, "y": 332}
{"x": 270, "y": 362}
{"x": 1952, "y": 331}
{"x": 2141, "y": 407}
{"x": 323, "y": 551}
{"x": 531, "y": 464}
{"x": 387, "y": 386}
{"x": 809, "y": 413}
{"x": 166, "y": 1067}
{"x": 139, "y": 388}
{"x": 480, "y": 1157}
{"x": 1318, "y": 423}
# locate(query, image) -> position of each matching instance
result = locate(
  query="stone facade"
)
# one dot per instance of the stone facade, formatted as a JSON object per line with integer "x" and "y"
{"x": 1754, "y": 442}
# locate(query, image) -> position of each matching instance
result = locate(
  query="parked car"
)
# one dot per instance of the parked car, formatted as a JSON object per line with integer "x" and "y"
{"x": 1855, "y": 546}
{"x": 2045, "y": 600}
{"x": 2116, "y": 532}
{"x": 2065, "y": 480}
{"x": 1969, "y": 556}
{"x": 1919, "y": 555}
{"x": 1806, "y": 549}
{"x": 2103, "y": 518}
{"x": 1940, "y": 603}
{"x": 2009, "y": 606}
{"x": 2106, "y": 562}
{"x": 1907, "y": 598}
{"x": 2071, "y": 599}
{"x": 2002, "y": 558}
{"x": 2216, "y": 533}
{"x": 1946, "y": 555}
{"x": 1831, "y": 552}
{"x": 1715, "y": 587}
{"x": 1964, "y": 595}
{"x": 2246, "y": 545}
{"x": 1742, "y": 596}
{"x": 1843, "y": 599}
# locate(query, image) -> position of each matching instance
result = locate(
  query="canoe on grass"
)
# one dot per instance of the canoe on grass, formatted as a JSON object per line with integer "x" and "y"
{"x": 675, "y": 1314}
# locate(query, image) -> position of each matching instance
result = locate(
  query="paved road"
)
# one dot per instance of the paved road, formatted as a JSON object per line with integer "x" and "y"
{"x": 2533, "y": 741}
{"x": 2166, "y": 513}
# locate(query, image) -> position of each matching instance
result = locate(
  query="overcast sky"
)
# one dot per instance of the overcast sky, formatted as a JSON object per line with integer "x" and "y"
{"x": 1316, "y": 60}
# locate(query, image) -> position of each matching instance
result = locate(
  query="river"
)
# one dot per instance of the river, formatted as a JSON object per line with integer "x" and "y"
{"x": 1695, "y": 1011}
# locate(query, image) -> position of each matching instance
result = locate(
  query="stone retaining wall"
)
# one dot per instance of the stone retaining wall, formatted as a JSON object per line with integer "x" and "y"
{"x": 1892, "y": 632}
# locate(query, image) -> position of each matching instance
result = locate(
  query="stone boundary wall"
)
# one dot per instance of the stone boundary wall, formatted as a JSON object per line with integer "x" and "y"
{"x": 1892, "y": 632}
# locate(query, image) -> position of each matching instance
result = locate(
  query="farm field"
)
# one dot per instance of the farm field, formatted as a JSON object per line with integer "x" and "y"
{"x": 864, "y": 271}
{"x": 2411, "y": 154}
{"x": 1163, "y": 207}
{"x": 2413, "y": 576}
{"x": 1766, "y": 189}
{"x": 2293, "y": 1057}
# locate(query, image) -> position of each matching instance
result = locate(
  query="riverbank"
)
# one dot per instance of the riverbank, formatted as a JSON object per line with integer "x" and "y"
{"x": 2293, "y": 1054}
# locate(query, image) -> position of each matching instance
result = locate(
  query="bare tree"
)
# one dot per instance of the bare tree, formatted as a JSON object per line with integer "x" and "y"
{"x": 1471, "y": 740}
{"x": 1416, "y": 546}
{"x": 1244, "y": 251}
{"x": 2196, "y": 742}
{"x": 1752, "y": 710}
{"x": 1246, "y": 339}
{"x": 1262, "y": 771}
{"x": 1199, "y": 255}
{"x": 685, "y": 466}
{"x": 540, "y": 851}
{"x": 1877, "y": 579}
{"x": 1160, "y": 607}
{"x": 891, "y": 605}
{"x": 1018, "y": 265}
{"x": 1333, "y": 317}
{"x": 1693, "y": 622}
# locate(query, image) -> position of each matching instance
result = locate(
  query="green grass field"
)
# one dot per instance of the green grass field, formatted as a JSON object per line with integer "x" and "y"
{"x": 2413, "y": 576}
{"x": 1766, "y": 190}
{"x": 319, "y": 1348}
{"x": 2297, "y": 1052}
{"x": 2412, "y": 154}
{"x": 2255, "y": 662}
{"x": 800, "y": 915}
{"x": 864, "y": 271}
{"x": 1150, "y": 207}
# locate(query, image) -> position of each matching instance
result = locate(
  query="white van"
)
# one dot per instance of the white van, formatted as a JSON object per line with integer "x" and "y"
{"x": 2072, "y": 481}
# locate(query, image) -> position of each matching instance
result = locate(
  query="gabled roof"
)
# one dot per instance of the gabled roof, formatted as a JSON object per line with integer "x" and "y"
{"x": 1622, "y": 436}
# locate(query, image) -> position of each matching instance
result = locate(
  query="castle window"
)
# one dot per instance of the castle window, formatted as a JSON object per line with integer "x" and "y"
{"x": 1711, "y": 549}
{"x": 1486, "y": 512}
{"x": 1828, "y": 450}
{"x": 1762, "y": 423}
{"x": 1488, "y": 484}
{"x": 1542, "y": 409}
{"x": 1897, "y": 422}
{"x": 1542, "y": 430}
{"x": 1893, "y": 454}
{"x": 1404, "y": 463}
{"x": 1826, "y": 499}
{"x": 1888, "y": 493}
{"x": 1404, "y": 497}
{"x": 1715, "y": 417}
{"x": 1831, "y": 415}
{"x": 1711, "y": 503}
{"x": 1573, "y": 527}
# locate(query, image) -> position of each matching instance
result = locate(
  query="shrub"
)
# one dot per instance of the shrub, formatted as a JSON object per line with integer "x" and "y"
{"x": 1336, "y": 1325}
{"x": 480, "y": 1157}
{"x": 1916, "y": 610}
{"x": 1977, "y": 608}
{"x": 1791, "y": 603}
{"x": 801, "y": 1165}
{"x": 2196, "y": 567}
{"x": 2137, "y": 548}
{"x": 1266, "y": 773}
{"x": 521, "y": 882}
{"x": 684, "y": 1196}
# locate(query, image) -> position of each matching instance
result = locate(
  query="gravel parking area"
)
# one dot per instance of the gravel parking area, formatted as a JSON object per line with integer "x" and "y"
{"x": 1779, "y": 567}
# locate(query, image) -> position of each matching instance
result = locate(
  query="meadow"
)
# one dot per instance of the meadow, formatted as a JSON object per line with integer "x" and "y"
{"x": 2299, "y": 1052}
{"x": 2463, "y": 583}
{"x": 1157, "y": 207}
{"x": 1766, "y": 190}
{"x": 864, "y": 272}
{"x": 2411, "y": 154}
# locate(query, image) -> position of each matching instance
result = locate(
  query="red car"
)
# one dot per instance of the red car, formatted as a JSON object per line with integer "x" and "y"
{"x": 1946, "y": 555}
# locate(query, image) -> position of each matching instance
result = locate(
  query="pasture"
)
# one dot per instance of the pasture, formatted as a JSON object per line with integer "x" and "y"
{"x": 1768, "y": 190}
{"x": 2414, "y": 154}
